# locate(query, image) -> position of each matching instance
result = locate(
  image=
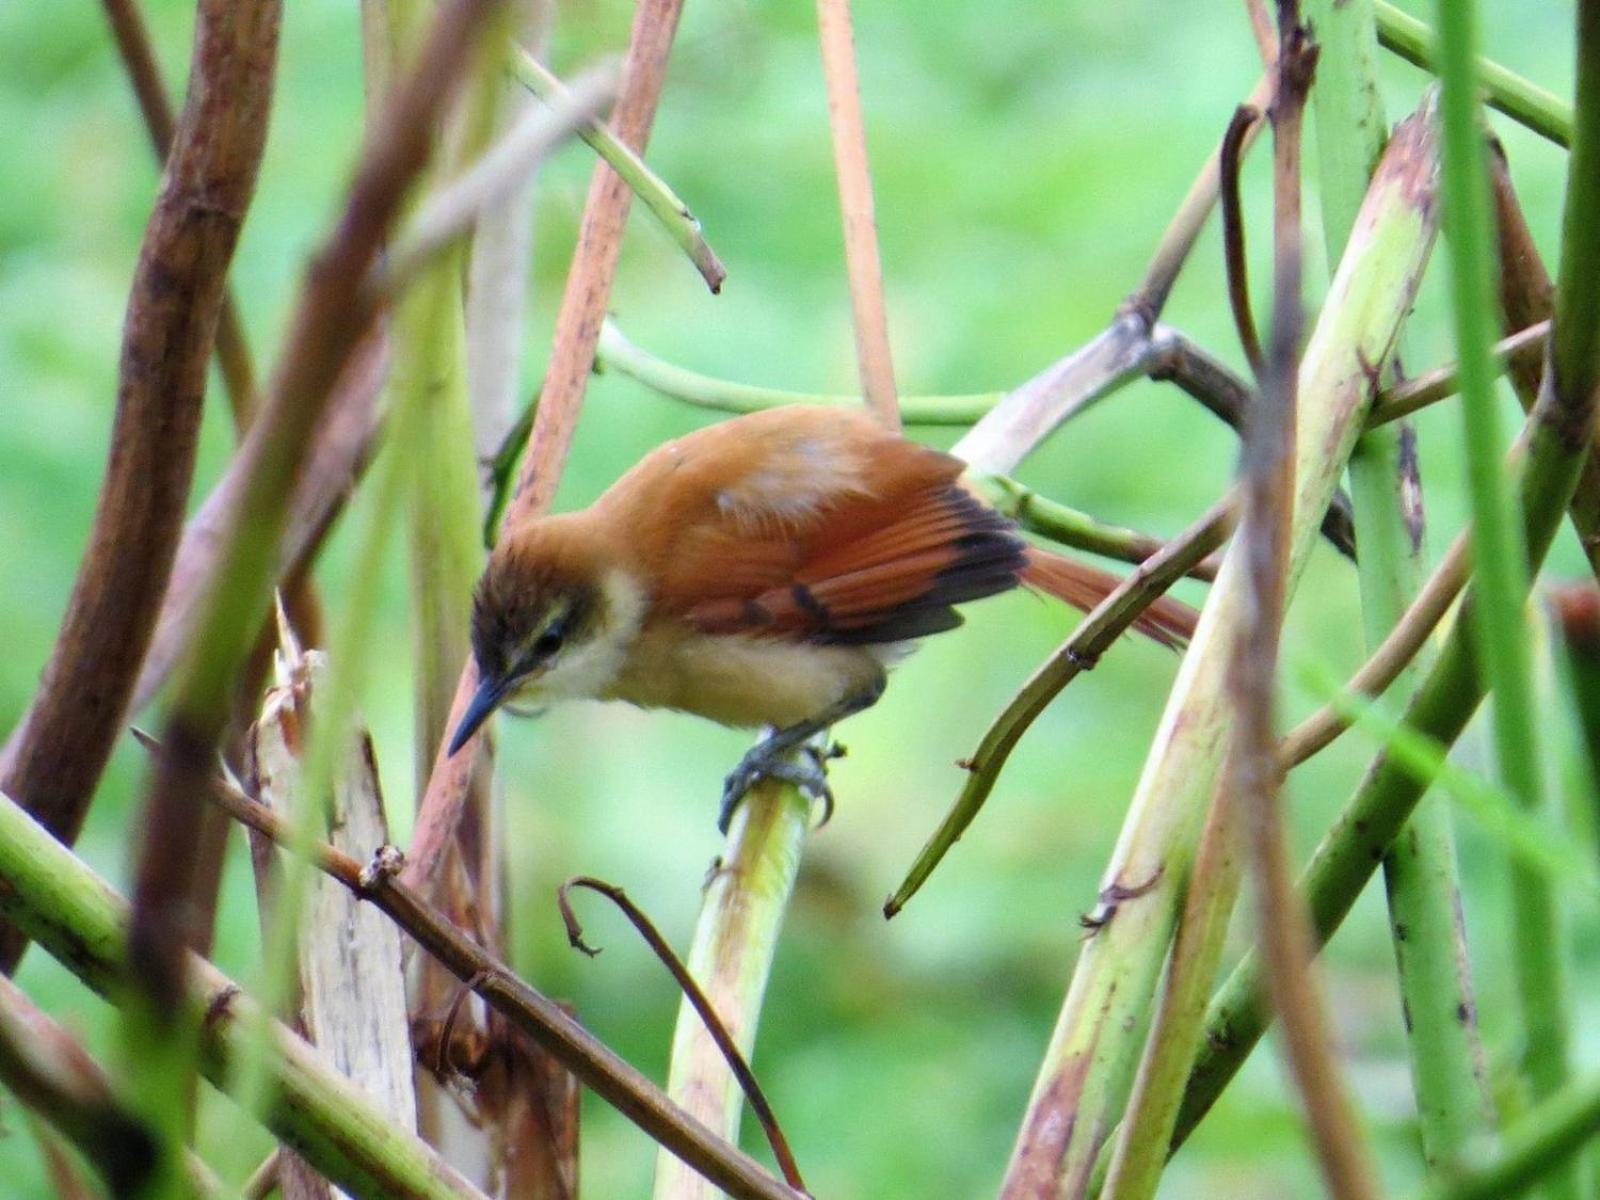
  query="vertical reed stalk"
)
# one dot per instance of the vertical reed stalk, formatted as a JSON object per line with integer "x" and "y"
{"x": 1419, "y": 869}
{"x": 1085, "y": 1077}
{"x": 1499, "y": 622}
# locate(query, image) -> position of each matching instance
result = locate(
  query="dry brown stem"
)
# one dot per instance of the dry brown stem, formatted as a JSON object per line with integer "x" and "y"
{"x": 55, "y": 758}
{"x": 138, "y": 57}
{"x": 861, "y": 256}
{"x": 1253, "y": 768}
{"x": 332, "y": 318}
{"x": 382, "y": 883}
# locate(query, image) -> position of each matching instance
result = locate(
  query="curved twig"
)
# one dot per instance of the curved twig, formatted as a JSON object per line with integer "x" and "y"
{"x": 681, "y": 224}
{"x": 1237, "y": 270}
{"x": 1110, "y": 618}
{"x": 697, "y": 997}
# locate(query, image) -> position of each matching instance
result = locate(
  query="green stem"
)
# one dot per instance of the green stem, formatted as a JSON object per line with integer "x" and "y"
{"x": 49, "y": 1072}
{"x": 1420, "y": 868}
{"x": 1502, "y": 572}
{"x": 735, "y": 942}
{"x": 1525, "y": 103}
{"x": 618, "y": 354}
{"x": 1543, "y": 1141}
{"x": 432, "y": 430}
{"x": 1098, "y": 1037}
{"x": 1558, "y": 437}
{"x": 681, "y": 225}
{"x": 1070, "y": 527}
{"x": 76, "y": 917}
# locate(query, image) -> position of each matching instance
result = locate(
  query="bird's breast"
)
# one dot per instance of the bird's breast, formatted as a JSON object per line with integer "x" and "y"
{"x": 740, "y": 680}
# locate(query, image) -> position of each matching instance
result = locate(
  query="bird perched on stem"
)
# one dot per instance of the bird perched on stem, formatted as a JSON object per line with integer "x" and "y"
{"x": 764, "y": 571}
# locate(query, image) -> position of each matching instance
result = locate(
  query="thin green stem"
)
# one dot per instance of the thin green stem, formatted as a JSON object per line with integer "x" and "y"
{"x": 1502, "y": 573}
{"x": 351, "y": 647}
{"x": 1543, "y": 1141}
{"x": 1385, "y": 482}
{"x": 1070, "y": 527}
{"x": 617, "y": 353}
{"x": 76, "y": 917}
{"x": 682, "y": 226}
{"x": 1525, "y": 103}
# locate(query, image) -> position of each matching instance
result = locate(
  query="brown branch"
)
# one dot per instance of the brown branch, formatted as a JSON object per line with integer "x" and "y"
{"x": 1398, "y": 648}
{"x": 238, "y": 377}
{"x": 333, "y": 316}
{"x": 1095, "y": 634}
{"x": 1253, "y": 768}
{"x": 334, "y": 465}
{"x": 382, "y": 883}
{"x": 697, "y": 997}
{"x": 1127, "y": 347}
{"x": 577, "y": 332}
{"x": 55, "y": 759}
{"x": 1520, "y": 350}
{"x": 1226, "y": 396}
{"x": 861, "y": 257}
{"x": 1233, "y": 239}
{"x": 138, "y": 57}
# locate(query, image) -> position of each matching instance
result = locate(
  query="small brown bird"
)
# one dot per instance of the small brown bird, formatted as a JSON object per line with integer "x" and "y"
{"x": 762, "y": 571}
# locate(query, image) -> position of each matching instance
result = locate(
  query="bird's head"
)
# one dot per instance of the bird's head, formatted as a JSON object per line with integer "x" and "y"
{"x": 550, "y": 621}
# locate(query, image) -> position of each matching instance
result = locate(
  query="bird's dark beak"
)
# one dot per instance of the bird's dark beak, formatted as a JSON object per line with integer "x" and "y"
{"x": 484, "y": 701}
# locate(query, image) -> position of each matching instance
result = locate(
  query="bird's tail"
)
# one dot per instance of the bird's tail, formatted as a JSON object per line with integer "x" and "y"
{"x": 1168, "y": 621}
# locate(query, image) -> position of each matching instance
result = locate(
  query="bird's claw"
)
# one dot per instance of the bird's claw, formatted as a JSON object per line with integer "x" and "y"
{"x": 765, "y": 761}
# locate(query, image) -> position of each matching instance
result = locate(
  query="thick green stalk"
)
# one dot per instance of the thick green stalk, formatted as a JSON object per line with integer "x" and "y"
{"x": 1558, "y": 437}
{"x": 79, "y": 920}
{"x": 1502, "y": 574}
{"x": 48, "y": 1071}
{"x": 1525, "y": 103}
{"x": 1087, "y": 1071}
{"x": 735, "y": 941}
{"x": 1420, "y": 868}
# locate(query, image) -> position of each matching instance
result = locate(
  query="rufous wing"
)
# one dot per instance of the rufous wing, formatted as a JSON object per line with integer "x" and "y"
{"x": 819, "y": 525}
{"x": 895, "y": 578}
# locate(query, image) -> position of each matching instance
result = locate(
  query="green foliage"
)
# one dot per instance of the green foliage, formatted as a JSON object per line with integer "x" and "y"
{"x": 1026, "y": 158}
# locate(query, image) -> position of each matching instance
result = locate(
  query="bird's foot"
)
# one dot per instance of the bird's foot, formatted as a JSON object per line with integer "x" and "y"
{"x": 769, "y": 759}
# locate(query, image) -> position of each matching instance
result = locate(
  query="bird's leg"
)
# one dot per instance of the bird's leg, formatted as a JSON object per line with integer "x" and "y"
{"x": 769, "y": 758}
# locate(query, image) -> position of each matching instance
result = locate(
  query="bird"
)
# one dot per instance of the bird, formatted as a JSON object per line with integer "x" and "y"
{"x": 766, "y": 570}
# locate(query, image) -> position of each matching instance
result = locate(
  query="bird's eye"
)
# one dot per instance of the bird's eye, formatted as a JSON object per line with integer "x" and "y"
{"x": 546, "y": 644}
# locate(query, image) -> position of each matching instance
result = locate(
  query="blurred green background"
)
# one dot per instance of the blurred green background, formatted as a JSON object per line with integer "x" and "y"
{"x": 1026, "y": 158}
